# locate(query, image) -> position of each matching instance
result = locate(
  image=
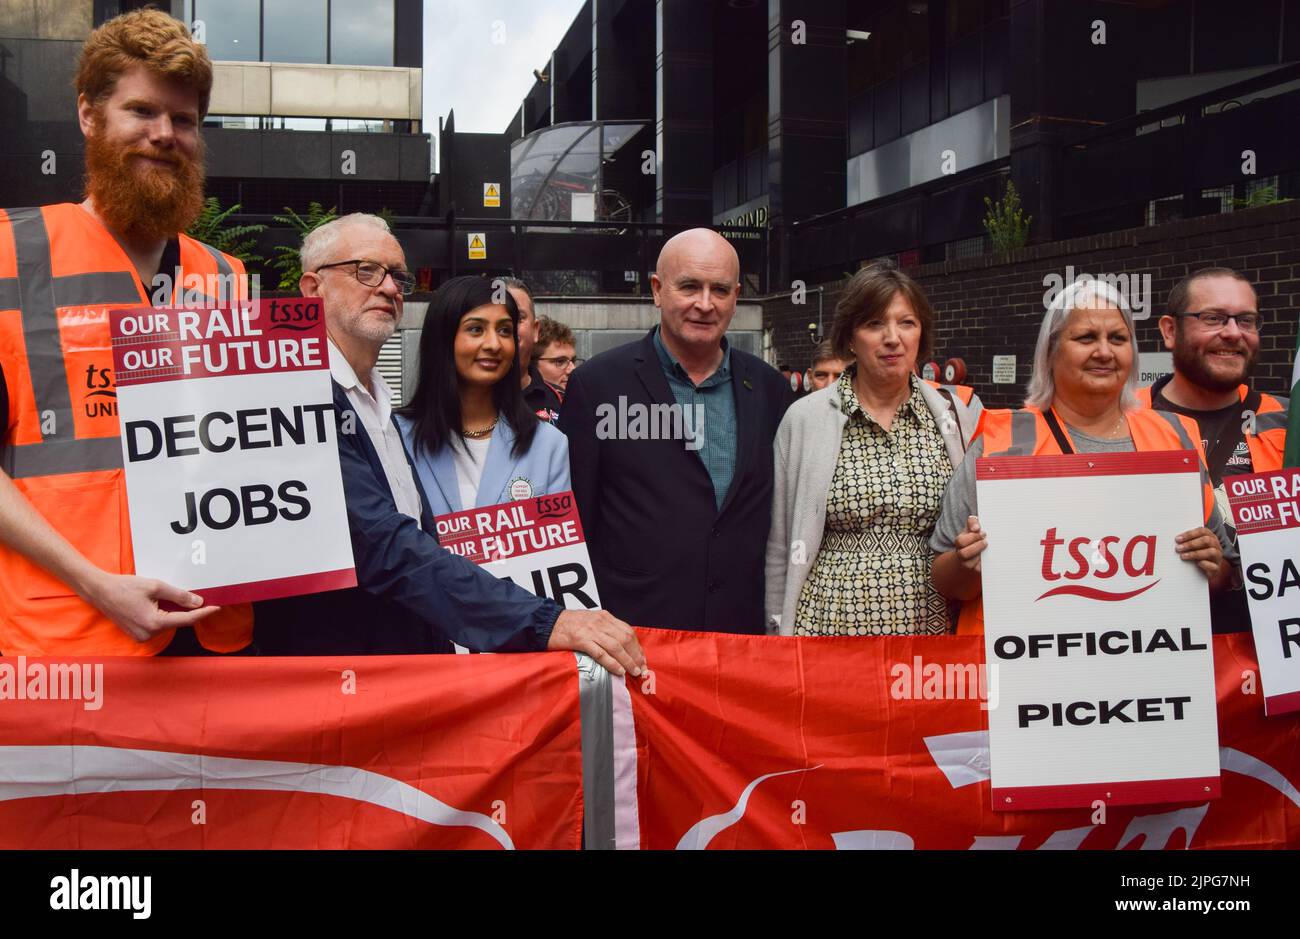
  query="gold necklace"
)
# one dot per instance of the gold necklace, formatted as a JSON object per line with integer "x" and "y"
{"x": 479, "y": 434}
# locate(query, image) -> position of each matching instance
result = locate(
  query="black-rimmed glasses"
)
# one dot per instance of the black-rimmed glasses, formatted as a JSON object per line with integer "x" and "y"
{"x": 372, "y": 274}
{"x": 562, "y": 361}
{"x": 1214, "y": 320}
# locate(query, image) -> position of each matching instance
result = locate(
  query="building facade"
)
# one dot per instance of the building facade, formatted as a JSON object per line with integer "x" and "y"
{"x": 850, "y": 130}
{"x": 313, "y": 100}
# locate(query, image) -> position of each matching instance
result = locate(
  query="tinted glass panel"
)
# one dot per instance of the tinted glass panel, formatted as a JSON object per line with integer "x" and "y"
{"x": 230, "y": 28}
{"x": 294, "y": 31}
{"x": 361, "y": 33}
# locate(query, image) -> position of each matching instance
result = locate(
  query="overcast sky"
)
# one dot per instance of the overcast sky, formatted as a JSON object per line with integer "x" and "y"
{"x": 483, "y": 80}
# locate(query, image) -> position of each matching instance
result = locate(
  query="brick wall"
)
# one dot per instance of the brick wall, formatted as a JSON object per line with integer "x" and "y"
{"x": 993, "y": 305}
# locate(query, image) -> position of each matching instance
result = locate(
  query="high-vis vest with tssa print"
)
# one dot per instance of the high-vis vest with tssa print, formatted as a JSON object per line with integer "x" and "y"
{"x": 60, "y": 273}
{"x": 1025, "y": 433}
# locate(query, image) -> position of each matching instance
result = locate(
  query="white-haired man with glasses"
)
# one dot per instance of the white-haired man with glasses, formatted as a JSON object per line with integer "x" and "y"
{"x": 1212, "y": 327}
{"x": 412, "y": 596}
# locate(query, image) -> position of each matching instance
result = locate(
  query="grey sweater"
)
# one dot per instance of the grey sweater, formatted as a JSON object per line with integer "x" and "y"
{"x": 806, "y": 450}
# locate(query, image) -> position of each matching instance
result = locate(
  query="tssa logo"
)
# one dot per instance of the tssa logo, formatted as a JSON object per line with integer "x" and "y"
{"x": 1138, "y": 558}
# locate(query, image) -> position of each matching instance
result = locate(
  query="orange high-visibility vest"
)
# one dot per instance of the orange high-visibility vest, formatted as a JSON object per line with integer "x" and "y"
{"x": 1025, "y": 433}
{"x": 962, "y": 393}
{"x": 1265, "y": 436}
{"x": 61, "y": 272}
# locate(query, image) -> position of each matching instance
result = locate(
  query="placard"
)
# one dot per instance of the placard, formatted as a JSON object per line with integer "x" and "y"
{"x": 491, "y": 195}
{"x": 536, "y": 541}
{"x": 228, "y": 441}
{"x": 1265, "y": 506}
{"x": 1097, "y": 633}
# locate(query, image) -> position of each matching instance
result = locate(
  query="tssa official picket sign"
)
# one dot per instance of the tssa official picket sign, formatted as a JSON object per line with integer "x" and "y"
{"x": 1098, "y": 634}
{"x": 1266, "y": 508}
{"x": 536, "y": 542}
{"x": 228, "y": 440}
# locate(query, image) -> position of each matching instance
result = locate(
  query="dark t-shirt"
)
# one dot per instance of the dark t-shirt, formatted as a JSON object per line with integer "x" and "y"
{"x": 1213, "y": 425}
{"x": 1229, "y": 609}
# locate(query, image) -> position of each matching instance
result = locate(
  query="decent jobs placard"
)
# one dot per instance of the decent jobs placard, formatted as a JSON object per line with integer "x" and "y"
{"x": 1096, "y": 633}
{"x": 1266, "y": 506}
{"x": 228, "y": 439}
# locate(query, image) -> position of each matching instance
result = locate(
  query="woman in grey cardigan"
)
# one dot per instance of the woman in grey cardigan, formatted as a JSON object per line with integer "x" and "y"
{"x": 861, "y": 468}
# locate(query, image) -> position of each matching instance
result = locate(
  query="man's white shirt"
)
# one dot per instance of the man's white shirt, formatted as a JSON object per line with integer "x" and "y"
{"x": 376, "y": 413}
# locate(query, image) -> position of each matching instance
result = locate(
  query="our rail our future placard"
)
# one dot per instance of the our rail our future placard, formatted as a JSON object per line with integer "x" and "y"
{"x": 1266, "y": 509}
{"x": 230, "y": 449}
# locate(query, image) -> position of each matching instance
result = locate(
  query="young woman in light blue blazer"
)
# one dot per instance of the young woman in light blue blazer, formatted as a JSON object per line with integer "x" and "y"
{"x": 472, "y": 439}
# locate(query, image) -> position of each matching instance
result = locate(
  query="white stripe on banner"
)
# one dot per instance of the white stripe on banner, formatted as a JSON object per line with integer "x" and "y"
{"x": 32, "y": 772}
{"x": 627, "y": 817}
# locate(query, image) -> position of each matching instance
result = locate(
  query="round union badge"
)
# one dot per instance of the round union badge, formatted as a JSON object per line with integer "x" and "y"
{"x": 520, "y": 489}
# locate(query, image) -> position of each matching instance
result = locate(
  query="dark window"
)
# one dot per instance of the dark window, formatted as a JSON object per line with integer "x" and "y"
{"x": 965, "y": 74}
{"x": 1291, "y": 31}
{"x": 231, "y": 28}
{"x": 861, "y": 133}
{"x": 1164, "y": 34}
{"x": 294, "y": 31}
{"x": 886, "y": 112}
{"x": 916, "y": 97}
{"x": 997, "y": 51}
{"x": 1226, "y": 35}
{"x": 361, "y": 33}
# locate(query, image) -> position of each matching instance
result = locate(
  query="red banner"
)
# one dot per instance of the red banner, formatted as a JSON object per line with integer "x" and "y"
{"x": 764, "y": 742}
{"x": 476, "y": 752}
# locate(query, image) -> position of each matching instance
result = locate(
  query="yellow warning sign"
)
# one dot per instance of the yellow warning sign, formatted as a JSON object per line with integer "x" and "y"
{"x": 477, "y": 246}
{"x": 491, "y": 195}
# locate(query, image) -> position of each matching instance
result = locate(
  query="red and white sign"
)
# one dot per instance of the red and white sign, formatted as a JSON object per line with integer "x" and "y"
{"x": 1096, "y": 632}
{"x": 768, "y": 742}
{"x": 1266, "y": 507}
{"x": 228, "y": 439}
{"x": 536, "y": 542}
{"x": 376, "y": 752}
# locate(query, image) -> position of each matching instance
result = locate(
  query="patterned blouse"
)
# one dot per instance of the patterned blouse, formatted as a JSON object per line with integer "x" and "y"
{"x": 871, "y": 576}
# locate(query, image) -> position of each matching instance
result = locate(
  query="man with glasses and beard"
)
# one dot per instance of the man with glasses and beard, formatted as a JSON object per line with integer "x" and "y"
{"x": 67, "y": 584}
{"x": 1212, "y": 328}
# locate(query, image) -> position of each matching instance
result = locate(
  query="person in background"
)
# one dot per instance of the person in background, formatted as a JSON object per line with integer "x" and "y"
{"x": 412, "y": 595}
{"x": 1081, "y": 400}
{"x": 827, "y": 366}
{"x": 541, "y": 397}
{"x": 860, "y": 471}
{"x": 472, "y": 438}
{"x": 1213, "y": 328}
{"x": 676, "y": 519}
{"x": 554, "y": 353}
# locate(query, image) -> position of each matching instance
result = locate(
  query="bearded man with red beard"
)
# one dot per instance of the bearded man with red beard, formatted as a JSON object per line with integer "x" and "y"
{"x": 1213, "y": 328}
{"x": 67, "y": 583}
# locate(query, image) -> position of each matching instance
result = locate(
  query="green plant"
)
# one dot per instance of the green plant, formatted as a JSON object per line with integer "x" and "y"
{"x": 287, "y": 260}
{"x": 211, "y": 228}
{"x": 1264, "y": 195}
{"x": 1005, "y": 220}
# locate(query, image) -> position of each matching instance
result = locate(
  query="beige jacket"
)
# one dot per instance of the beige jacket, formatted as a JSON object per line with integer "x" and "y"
{"x": 806, "y": 451}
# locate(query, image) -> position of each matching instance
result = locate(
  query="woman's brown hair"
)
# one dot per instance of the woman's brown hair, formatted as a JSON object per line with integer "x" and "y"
{"x": 867, "y": 297}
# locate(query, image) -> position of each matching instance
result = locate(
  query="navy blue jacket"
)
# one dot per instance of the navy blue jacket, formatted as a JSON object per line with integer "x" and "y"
{"x": 413, "y": 595}
{"x": 662, "y": 551}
